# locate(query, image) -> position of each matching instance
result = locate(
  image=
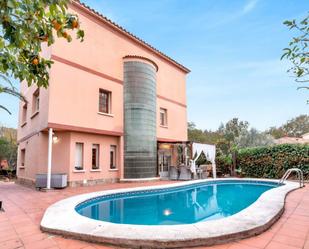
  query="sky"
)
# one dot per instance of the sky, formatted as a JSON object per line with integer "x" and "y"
{"x": 232, "y": 48}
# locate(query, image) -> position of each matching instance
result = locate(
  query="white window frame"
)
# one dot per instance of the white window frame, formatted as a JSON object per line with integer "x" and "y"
{"x": 79, "y": 160}
{"x": 22, "y": 157}
{"x": 97, "y": 159}
{"x": 24, "y": 114}
{"x": 36, "y": 101}
{"x": 109, "y": 100}
{"x": 164, "y": 112}
{"x": 114, "y": 149}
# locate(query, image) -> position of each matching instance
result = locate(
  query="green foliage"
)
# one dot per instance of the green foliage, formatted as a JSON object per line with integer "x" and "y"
{"x": 8, "y": 145}
{"x": 202, "y": 159}
{"x": 253, "y": 138}
{"x": 9, "y": 89}
{"x": 273, "y": 161}
{"x": 200, "y": 136}
{"x": 235, "y": 135}
{"x": 276, "y": 132}
{"x": 10, "y": 134}
{"x": 8, "y": 151}
{"x": 24, "y": 26}
{"x": 224, "y": 163}
{"x": 294, "y": 127}
{"x": 297, "y": 126}
{"x": 232, "y": 129}
{"x": 298, "y": 52}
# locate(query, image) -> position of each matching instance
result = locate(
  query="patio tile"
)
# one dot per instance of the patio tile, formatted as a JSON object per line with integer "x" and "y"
{"x": 28, "y": 239}
{"x": 288, "y": 240}
{"x": 3, "y": 217}
{"x": 65, "y": 243}
{"x": 41, "y": 244}
{"x": 4, "y": 236}
{"x": 257, "y": 242}
{"x": 277, "y": 245}
{"x": 302, "y": 212}
{"x": 224, "y": 246}
{"x": 19, "y": 224}
{"x": 306, "y": 246}
{"x": 11, "y": 244}
{"x": 292, "y": 233}
{"x": 296, "y": 227}
{"x": 241, "y": 246}
{"x": 95, "y": 246}
{"x": 292, "y": 221}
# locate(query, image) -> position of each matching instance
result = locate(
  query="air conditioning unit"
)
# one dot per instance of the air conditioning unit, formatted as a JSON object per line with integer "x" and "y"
{"x": 57, "y": 180}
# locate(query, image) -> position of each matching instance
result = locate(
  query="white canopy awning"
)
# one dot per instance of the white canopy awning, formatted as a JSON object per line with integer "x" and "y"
{"x": 209, "y": 152}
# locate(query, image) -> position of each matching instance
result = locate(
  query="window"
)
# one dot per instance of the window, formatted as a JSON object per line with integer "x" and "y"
{"x": 112, "y": 164}
{"x": 24, "y": 114}
{"x": 95, "y": 156}
{"x": 22, "y": 157}
{"x": 163, "y": 117}
{"x": 104, "y": 101}
{"x": 79, "y": 151}
{"x": 36, "y": 101}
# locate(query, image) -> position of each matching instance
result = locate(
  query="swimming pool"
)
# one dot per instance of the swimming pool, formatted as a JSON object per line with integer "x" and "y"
{"x": 174, "y": 206}
{"x": 180, "y": 215}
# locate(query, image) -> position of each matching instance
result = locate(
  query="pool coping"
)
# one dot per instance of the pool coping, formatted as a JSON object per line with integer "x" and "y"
{"x": 61, "y": 218}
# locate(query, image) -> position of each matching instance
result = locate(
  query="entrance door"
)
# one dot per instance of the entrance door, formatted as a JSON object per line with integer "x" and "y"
{"x": 164, "y": 161}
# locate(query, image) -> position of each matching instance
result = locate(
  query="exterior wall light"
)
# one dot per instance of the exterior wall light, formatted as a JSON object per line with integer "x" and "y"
{"x": 55, "y": 138}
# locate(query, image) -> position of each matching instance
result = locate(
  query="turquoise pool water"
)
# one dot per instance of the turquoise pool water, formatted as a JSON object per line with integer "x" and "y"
{"x": 176, "y": 205}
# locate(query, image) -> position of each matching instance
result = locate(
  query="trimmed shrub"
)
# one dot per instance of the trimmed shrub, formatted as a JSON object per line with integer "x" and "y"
{"x": 224, "y": 164}
{"x": 273, "y": 161}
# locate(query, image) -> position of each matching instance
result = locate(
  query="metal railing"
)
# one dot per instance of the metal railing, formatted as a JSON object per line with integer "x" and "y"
{"x": 300, "y": 176}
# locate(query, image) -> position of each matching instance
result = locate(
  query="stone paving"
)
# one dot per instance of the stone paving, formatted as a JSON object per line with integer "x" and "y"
{"x": 24, "y": 208}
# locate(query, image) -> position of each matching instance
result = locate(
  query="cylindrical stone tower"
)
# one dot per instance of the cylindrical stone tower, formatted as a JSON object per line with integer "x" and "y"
{"x": 140, "y": 136}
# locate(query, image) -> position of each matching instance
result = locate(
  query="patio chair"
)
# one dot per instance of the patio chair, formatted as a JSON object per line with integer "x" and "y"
{"x": 173, "y": 173}
{"x": 199, "y": 172}
{"x": 185, "y": 173}
{"x": 205, "y": 170}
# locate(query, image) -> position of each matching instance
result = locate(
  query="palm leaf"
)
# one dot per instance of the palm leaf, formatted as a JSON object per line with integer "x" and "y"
{"x": 6, "y": 79}
{"x": 4, "y": 108}
{"x": 12, "y": 91}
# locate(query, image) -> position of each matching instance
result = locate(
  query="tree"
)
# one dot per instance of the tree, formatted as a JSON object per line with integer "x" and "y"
{"x": 276, "y": 132}
{"x": 8, "y": 151}
{"x": 232, "y": 129}
{"x": 253, "y": 138}
{"x": 195, "y": 134}
{"x": 10, "y": 89}
{"x": 298, "y": 52}
{"x": 24, "y": 26}
{"x": 296, "y": 127}
{"x": 8, "y": 145}
{"x": 10, "y": 134}
{"x": 200, "y": 136}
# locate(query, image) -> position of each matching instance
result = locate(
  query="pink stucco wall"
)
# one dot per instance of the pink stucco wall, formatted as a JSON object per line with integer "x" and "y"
{"x": 70, "y": 104}
{"x": 104, "y": 171}
{"x": 103, "y": 51}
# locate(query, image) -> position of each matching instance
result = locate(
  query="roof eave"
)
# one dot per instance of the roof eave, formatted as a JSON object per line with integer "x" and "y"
{"x": 123, "y": 31}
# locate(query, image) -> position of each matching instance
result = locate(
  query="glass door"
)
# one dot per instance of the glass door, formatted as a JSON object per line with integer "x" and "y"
{"x": 164, "y": 161}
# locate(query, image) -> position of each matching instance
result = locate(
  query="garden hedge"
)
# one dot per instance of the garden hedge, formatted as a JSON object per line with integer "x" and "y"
{"x": 273, "y": 161}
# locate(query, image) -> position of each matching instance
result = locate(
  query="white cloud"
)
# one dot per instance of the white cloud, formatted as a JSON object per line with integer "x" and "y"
{"x": 249, "y": 6}
{"x": 216, "y": 18}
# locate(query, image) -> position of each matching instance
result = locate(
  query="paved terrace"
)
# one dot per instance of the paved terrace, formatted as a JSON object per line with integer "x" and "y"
{"x": 24, "y": 208}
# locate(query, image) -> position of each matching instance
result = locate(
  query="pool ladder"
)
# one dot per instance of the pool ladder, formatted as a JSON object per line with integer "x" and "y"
{"x": 287, "y": 174}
